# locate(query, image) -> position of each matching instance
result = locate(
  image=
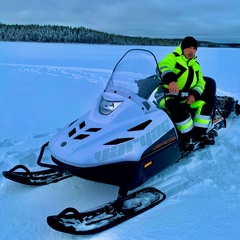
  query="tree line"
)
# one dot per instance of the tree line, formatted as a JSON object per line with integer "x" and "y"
{"x": 65, "y": 34}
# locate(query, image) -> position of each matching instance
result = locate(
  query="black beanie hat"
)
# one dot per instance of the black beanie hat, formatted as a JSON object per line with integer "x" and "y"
{"x": 189, "y": 42}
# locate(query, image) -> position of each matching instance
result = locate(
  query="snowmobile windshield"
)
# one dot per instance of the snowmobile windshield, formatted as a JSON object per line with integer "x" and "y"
{"x": 136, "y": 72}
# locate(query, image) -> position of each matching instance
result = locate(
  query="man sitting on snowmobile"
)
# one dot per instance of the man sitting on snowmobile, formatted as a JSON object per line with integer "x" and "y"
{"x": 184, "y": 98}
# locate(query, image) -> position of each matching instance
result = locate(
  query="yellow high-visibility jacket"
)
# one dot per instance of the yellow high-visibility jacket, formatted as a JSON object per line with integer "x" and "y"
{"x": 185, "y": 72}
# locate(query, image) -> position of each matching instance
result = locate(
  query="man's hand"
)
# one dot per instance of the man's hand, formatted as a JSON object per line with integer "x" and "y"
{"x": 173, "y": 87}
{"x": 190, "y": 99}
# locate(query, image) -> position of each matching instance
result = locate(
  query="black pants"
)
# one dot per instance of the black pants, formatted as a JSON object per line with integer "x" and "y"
{"x": 209, "y": 96}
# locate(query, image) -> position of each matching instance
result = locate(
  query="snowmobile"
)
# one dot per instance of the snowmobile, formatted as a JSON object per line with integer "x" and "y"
{"x": 124, "y": 141}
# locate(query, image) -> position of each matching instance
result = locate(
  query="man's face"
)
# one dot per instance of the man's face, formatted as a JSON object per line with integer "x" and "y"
{"x": 189, "y": 52}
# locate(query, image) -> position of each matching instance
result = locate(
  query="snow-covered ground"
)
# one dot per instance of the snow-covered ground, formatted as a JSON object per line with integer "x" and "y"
{"x": 43, "y": 87}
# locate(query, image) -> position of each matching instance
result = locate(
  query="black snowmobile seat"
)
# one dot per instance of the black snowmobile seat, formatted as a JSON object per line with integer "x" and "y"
{"x": 147, "y": 86}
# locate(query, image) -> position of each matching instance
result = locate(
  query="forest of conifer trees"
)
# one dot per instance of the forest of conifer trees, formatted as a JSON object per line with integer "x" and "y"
{"x": 64, "y": 34}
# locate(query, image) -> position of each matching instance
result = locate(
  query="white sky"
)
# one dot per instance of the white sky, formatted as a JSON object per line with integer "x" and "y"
{"x": 215, "y": 20}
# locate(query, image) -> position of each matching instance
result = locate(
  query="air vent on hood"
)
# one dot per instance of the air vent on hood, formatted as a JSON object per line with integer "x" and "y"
{"x": 118, "y": 141}
{"x": 82, "y": 125}
{"x": 140, "y": 127}
{"x": 93, "y": 129}
{"x": 72, "y": 132}
{"x": 81, "y": 136}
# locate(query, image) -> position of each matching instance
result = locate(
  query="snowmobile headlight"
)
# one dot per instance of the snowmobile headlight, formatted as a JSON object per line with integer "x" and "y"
{"x": 107, "y": 107}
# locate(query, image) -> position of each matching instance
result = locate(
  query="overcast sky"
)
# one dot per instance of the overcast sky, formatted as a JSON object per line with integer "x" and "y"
{"x": 209, "y": 20}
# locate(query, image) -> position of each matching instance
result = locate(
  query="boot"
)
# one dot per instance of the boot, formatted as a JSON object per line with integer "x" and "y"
{"x": 200, "y": 134}
{"x": 188, "y": 141}
{"x": 188, "y": 135}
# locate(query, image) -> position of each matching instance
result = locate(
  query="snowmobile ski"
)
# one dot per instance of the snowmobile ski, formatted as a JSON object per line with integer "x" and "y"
{"x": 37, "y": 178}
{"x": 106, "y": 216}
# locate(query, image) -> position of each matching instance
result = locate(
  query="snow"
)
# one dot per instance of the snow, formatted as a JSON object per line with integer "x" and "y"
{"x": 43, "y": 87}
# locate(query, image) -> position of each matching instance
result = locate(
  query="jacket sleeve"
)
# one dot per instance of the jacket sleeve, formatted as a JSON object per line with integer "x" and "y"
{"x": 165, "y": 67}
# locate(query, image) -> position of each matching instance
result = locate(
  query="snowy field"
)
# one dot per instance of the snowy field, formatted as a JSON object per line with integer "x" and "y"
{"x": 43, "y": 87}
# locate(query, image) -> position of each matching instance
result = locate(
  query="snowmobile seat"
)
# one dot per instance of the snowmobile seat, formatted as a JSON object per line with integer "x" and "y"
{"x": 147, "y": 85}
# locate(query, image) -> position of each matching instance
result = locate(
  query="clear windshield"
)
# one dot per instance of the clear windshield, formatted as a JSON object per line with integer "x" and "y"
{"x": 136, "y": 72}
